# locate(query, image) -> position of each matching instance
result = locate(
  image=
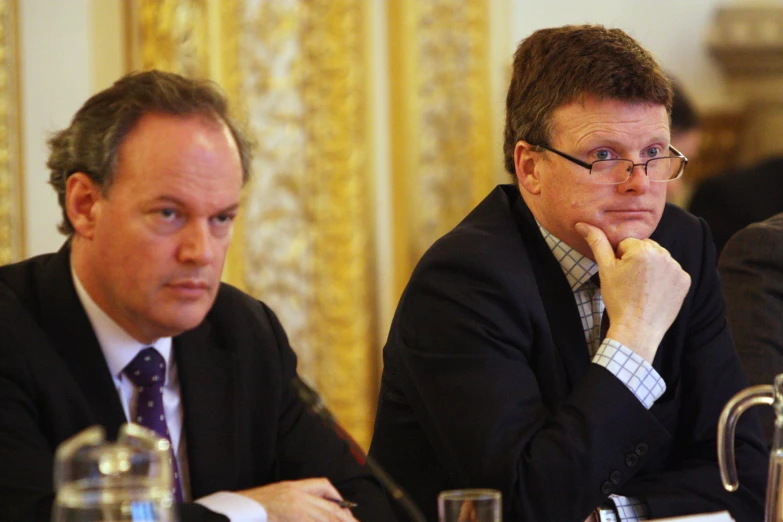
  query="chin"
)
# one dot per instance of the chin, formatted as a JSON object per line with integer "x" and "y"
{"x": 180, "y": 321}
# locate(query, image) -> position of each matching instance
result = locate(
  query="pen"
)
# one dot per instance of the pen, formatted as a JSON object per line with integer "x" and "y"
{"x": 342, "y": 503}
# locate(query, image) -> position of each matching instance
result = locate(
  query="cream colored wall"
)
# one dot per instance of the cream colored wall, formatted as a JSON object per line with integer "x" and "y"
{"x": 68, "y": 49}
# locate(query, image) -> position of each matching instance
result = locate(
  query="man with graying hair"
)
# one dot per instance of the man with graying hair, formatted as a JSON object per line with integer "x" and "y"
{"x": 511, "y": 365}
{"x": 129, "y": 320}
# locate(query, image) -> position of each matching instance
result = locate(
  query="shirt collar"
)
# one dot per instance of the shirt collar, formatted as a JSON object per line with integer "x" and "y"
{"x": 577, "y": 268}
{"x": 119, "y": 348}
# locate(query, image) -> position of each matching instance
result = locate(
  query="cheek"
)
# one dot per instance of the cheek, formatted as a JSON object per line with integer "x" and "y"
{"x": 220, "y": 247}
{"x": 146, "y": 261}
{"x": 584, "y": 202}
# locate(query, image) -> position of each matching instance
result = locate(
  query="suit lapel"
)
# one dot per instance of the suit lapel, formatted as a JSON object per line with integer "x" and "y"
{"x": 69, "y": 328}
{"x": 206, "y": 372}
{"x": 556, "y": 296}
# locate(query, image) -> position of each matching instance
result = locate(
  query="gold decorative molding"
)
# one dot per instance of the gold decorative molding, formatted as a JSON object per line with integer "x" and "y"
{"x": 441, "y": 122}
{"x": 307, "y": 245}
{"x": 171, "y": 35}
{"x": 747, "y": 39}
{"x": 226, "y": 26}
{"x": 11, "y": 221}
{"x": 747, "y": 42}
{"x": 333, "y": 92}
{"x": 277, "y": 236}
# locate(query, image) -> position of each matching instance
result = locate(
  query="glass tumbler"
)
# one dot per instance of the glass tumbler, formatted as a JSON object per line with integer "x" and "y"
{"x": 469, "y": 505}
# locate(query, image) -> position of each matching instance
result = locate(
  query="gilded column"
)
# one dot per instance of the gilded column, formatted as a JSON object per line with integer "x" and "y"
{"x": 441, "y": 120}
{"x": 336, "y": 162}
{"x": 306, "y": 242}
{"x": 11, "y": 222}
{"x": 171, "y": 35}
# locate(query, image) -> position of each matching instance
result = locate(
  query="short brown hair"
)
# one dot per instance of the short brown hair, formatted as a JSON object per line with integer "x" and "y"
{"x": 553, "y": 67}
{"x": 91, "y": 142}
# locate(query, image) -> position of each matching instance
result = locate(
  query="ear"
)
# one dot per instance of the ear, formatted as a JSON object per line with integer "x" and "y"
{"x": 526, "y": 162}
{"x": 82, "y": 203}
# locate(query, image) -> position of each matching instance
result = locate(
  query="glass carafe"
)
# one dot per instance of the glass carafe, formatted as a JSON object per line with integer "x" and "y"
{"x": 124, "y": 481}
{"x": 762, "y": 394}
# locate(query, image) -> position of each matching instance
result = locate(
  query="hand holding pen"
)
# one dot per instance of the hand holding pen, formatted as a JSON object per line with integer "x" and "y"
{"x": 298, "y": 500}
{"x": 343, "y": 503}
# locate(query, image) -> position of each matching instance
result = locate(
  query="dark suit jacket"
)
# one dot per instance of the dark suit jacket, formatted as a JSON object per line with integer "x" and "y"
{"x": 751, "y": 268}
{"x": 734, "y": 200}
{"x": 487, "y": 382}
{"x": 243, "y": 423}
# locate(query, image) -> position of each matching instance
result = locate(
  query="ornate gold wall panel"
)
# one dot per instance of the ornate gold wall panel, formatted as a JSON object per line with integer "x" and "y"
{"x": 307, "y": 243}
{"x": 441, "y": 119}
{"x": 171, "y": 35}
{"x": 336, "y": 159}
{"x": 11, "y": 222}
{"x": 303, "y": 244}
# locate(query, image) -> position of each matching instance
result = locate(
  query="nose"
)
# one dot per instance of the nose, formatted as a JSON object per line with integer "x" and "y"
{"x": 196, "y": 244}
{"x": 638, "y": 182}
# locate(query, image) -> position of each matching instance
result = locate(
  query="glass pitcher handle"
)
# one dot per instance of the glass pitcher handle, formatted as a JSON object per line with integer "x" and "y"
{"x": 755, "y": 395}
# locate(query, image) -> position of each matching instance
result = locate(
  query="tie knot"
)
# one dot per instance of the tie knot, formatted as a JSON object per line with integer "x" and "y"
{"x": 591, "y": 284}
{"x": 147, "y": 369}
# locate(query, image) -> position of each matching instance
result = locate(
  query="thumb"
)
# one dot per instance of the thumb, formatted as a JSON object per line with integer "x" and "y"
{"x": 596, "y": 240}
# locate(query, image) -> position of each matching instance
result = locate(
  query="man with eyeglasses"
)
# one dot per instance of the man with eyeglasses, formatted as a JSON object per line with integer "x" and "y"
{"x": 511, "y": 365}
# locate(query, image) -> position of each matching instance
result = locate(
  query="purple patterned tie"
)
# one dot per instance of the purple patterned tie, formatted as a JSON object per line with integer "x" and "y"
{"x": 148, "y": 372}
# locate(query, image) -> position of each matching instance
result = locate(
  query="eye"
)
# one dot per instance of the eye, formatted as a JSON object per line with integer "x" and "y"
{"x": 165, "y": 219}
{"x": 603, "y": 155}
{"x": 168, "y": 214}
{"x": 652, "y": 152}
{"x": 223, "y": 219}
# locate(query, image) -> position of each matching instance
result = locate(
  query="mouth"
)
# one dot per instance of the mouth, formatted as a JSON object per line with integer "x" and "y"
{"x": 189, "y": 288}
{"x": 630, "y": 212}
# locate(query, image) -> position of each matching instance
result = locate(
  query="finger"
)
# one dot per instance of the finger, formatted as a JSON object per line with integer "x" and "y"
{"x": 600, "y": 246}
{"x": 321, "y": 509}
{"x": 630, "y": 244}
{"x": 319, "y": 487}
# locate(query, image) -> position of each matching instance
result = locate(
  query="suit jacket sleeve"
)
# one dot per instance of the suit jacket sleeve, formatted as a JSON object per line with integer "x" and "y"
{"x": 751, "y": 267}
{"x": 26, "y": 434}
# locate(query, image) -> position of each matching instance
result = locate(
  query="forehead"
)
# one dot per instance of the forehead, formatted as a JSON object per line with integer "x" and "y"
{"x": 594, "y": 119}
{"x": 165, "y": 151}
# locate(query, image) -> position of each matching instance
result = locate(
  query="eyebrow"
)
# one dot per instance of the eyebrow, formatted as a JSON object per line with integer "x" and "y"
{"x": 178, "y": 202}
{"x": 611, "y": 142}
{"x": 232, "y": 208}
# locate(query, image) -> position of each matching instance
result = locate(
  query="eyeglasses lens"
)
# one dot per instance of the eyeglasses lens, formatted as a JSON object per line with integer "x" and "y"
{"x": 619, "y": 170}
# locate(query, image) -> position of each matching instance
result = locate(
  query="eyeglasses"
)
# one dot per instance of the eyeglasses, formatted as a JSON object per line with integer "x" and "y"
{"x": 617, "y": 171}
